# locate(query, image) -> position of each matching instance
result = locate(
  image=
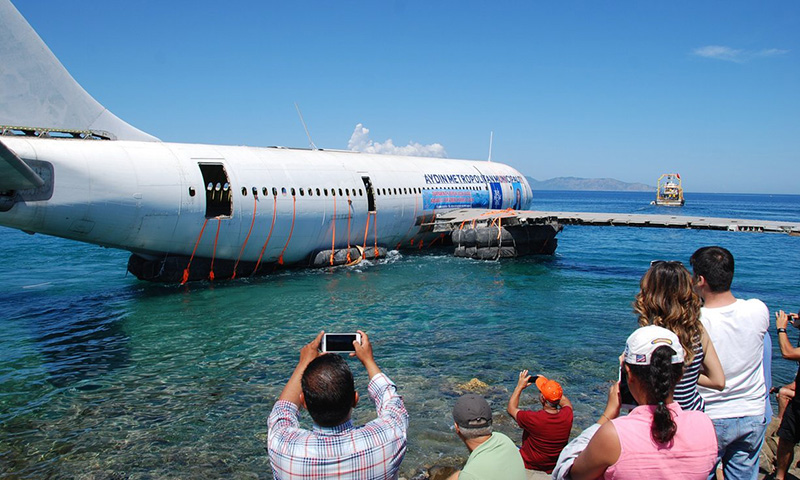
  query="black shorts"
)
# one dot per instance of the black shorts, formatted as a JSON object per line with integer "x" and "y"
{"x": 790, "y": 425}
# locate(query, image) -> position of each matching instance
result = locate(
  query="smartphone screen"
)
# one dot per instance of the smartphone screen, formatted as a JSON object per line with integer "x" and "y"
{"x": 339, "y": 342}
{"x": 624, "y": 392}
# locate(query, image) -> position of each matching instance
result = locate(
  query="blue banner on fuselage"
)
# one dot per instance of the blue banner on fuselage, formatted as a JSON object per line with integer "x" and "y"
{"x": 454, "y": 198}
{"x": 497, "y": 195}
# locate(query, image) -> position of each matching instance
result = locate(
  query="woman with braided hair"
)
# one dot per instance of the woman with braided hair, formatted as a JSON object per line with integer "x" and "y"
{"x": 657, "y": 439}
{"x": 666, "y": 299}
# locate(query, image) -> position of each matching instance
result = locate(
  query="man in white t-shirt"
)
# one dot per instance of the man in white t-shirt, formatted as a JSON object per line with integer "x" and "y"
{"x": 737, "y": 328}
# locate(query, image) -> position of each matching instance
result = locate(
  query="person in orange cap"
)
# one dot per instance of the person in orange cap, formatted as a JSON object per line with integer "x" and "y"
{"x": 545, "y": 432}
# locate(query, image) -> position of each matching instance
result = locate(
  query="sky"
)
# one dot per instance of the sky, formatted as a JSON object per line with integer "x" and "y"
{"x": 624, "y": 90}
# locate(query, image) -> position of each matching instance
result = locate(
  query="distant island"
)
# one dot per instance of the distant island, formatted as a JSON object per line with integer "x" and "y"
{"x": 598, "y": 184}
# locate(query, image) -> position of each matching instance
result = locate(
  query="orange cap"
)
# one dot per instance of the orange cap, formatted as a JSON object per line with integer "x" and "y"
{"x": 550, "y": 389}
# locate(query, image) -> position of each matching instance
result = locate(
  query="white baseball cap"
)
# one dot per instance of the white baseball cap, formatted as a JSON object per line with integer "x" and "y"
{"x": 644, "y": 341}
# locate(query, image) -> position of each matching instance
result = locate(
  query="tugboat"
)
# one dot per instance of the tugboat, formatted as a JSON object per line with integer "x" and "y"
{"x": 669, "y": 192}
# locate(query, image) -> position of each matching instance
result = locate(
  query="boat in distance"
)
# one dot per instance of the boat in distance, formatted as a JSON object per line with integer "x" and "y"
{"x": 669, "y": 191}
{"x": 70, "y": 168}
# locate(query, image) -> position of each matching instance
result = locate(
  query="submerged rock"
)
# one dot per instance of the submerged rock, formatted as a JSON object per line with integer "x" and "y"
{"x": 473, "y": 386}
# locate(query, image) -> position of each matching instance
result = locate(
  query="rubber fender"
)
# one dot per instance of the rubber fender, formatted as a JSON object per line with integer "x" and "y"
{"x": 487, "y": 237}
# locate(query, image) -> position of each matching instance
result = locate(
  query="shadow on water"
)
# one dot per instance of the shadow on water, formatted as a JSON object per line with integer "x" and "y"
{"x": 81, "y": 341}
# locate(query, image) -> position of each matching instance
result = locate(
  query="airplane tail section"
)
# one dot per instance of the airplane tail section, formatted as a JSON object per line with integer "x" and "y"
{"x": 37, "y": 91}
{"x": 16, "y": 174}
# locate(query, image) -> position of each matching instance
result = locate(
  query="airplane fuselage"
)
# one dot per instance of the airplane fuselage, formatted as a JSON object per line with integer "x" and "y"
{"x": 154, "y": 198}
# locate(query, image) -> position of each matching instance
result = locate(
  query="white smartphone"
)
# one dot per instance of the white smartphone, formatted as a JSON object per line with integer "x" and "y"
{"x": 339, "y": 342}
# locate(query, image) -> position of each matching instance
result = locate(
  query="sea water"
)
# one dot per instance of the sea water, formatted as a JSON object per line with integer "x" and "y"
{"x": 102, "y": 375}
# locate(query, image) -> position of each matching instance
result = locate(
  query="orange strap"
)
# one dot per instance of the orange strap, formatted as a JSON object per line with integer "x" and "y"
{"x": 375, "y": 229}
{"x": 366, "y": 232}
{"x": 214, "y": 253}
{"x": 274, "y": 215}
{"x": 253, "y": 222}
{"x": 333, "y": 236}
{"x": 349, "y": 212}
{"x": 294, "y": 212}
{"x": 441, "y": 236}
{"x": 186, "y": 270}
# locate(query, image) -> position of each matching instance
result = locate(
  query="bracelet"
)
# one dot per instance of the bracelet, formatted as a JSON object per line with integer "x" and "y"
{"x": 604, "y": 415}
{"x": 782, "y": 330}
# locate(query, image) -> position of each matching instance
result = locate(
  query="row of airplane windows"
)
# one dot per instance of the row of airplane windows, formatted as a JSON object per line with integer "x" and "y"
{"x": 324, "y": 192}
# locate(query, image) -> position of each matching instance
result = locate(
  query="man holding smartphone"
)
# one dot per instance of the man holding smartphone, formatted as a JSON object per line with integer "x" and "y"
{"x": 789, "y": 431}
{"x": 545, "y": 432}
{"x": 335, "y": 448}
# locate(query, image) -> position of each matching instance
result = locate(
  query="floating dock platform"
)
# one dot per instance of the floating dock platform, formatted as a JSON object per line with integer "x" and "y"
{"x": 457, "y": 218}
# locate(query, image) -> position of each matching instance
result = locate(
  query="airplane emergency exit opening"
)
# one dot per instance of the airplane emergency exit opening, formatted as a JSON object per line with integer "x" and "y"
{"x": 370, "y": 193}
{"x": 219, "y": 198}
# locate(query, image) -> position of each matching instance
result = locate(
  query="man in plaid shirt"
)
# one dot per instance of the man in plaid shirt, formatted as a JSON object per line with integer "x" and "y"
{"x": 335, "y": 448}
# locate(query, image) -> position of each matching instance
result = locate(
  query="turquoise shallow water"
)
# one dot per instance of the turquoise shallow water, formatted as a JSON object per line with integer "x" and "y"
{"x": 101, "y": 374}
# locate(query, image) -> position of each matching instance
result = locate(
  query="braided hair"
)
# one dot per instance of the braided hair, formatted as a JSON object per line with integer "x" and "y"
{"x": 659, "y": 380}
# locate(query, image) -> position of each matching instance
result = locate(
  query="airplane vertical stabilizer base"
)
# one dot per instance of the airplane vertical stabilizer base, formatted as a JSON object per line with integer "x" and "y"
{"x": 38, "y": 91}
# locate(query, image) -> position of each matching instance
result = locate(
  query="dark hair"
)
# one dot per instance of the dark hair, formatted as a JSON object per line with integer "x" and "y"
{"x": 715, "y": 264}
{"x": 328, "y": 390}
{"x": 659, "y": 380}
{"x": 666, "y": 299}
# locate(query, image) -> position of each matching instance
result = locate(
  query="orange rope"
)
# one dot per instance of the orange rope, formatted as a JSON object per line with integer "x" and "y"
{"x": 294, "y": 211}
{"x": 333, "y": 237}
{"x": 441, "y": 236}
{"x": 214, "y": 253}
{"x": 366, "y": 232}
{"x": 186, "y": 271}
{"x": 349, "y": 214}
{"x": 255, "y": 205}
{"x": 274, "y": 214}
{"x": 413, "y": 222}
{"x": 375, "y": 229}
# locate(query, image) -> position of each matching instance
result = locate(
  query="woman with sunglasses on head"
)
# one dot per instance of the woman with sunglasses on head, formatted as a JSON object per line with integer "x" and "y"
{"x": 667, "y": 299}
{"x": 658, "y": 439}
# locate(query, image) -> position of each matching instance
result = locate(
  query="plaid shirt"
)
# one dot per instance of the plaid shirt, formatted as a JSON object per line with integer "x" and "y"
{"x": 373, "y": 451}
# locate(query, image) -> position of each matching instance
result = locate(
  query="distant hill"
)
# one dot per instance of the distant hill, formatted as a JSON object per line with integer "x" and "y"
{"x": 576, "y": 183}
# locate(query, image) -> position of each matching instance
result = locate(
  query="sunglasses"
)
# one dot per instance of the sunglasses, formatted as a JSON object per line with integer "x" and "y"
{"x": 668, "y": 262}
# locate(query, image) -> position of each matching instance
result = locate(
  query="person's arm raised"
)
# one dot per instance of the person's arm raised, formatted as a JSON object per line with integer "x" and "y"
{"x": 788, "y": 351}
{"x": 291, "y": 392}
{"x": 363, "y": 351}
{"x": 513, "y": 401}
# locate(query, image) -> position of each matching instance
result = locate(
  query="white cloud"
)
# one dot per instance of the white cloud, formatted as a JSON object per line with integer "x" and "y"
{"x": 360, "y": 142}
{"x": 729, "y": 54}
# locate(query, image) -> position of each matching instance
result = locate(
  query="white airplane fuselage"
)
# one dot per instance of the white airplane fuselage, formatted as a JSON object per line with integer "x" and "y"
{"x": 154, "y": 198}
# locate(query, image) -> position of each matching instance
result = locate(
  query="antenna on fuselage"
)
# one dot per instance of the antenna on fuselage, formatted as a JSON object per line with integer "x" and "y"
{"x": 310, "y": 142}
{"x": 491, "y": 137}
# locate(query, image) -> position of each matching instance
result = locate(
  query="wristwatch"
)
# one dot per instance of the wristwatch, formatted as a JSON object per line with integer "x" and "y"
{"x": 782, "y": 330}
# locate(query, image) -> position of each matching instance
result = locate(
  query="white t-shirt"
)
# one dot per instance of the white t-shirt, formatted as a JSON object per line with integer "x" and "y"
{"x": 737, "y": 331}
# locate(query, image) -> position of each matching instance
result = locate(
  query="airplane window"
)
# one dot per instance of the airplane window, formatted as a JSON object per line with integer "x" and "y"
{"x": 395, "y": 191}
{"x": 244, "y": 191}
{"x": 360, "y": 193}
{"x": 191, "y": 191}
{"x": 333, "y": 192}
{"x": 347, "y": 191}
{"x": 340, "y": 192}
{"x": 264, "y": 191}
{"x": 326, "y": 192}
{"x": 293, "y": 192}
{"x": 319, "y": 194}
{"x": 274, "y": 191}
{"x": 405, "y": 190}
{"x": 210, "y": 186}
{"x": 384, "y": 191}
{"x": 302, "y": 192}
{"x": 255, "y": 191}
{"x": 310, "y": 192}
{"x": 283, "y": 190}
